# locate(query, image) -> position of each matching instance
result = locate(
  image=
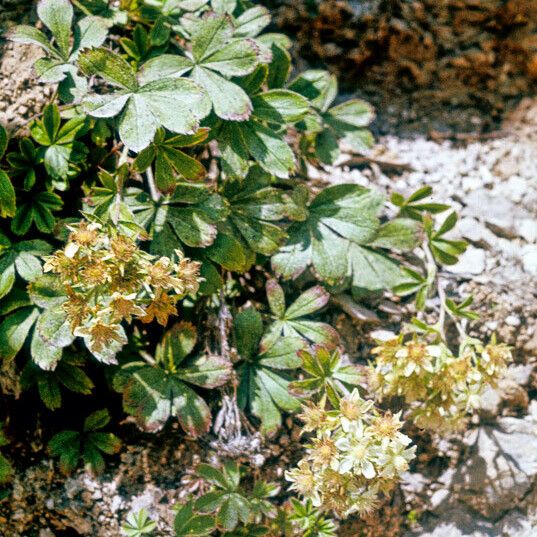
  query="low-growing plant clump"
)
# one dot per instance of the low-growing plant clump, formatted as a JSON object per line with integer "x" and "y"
{"x": 160, "y": 240}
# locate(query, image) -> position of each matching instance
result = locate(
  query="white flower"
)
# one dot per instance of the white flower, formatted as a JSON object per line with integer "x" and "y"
{"x": 357, "y": 456}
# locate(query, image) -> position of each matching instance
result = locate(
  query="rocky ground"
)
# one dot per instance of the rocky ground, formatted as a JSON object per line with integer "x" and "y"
{"x": 479, "y": 484}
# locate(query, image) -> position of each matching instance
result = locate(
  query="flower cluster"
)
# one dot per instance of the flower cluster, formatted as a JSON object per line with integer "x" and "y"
{"x": 441, "y": 388}
{"x": 108, "y": 279}
{"x": 356, "y": 454}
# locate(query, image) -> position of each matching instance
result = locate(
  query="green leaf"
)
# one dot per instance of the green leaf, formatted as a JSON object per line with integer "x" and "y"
{"x": 7, "y": 196}
{"x": 189, "y": 524}
{"x": 327, "y": 147}
{"x": 138, "y": 524}
{"x": 7, "y": 274}
{"x": 109, "y": 66}
{"x": 210, "y": 36}
{"x": 164, "y": 66}
{"x": 29, "y": 35}
{"x": 90, "y": 32}
{"x": 228, "y": 252}
{"x": 325, "y": 375}
{"x": 3, "y": 141}
{"x": 261, "y": 388}
{"x": 338, "y": 215}
{"x": 268, "y": 148}
{"x": 66, "y": 445}
{"x": 28, "y": 266}
{"x": 276, "y": 298}
{"x": 176, "y": 344}
{"x": 44, "y": 355}
{"x": 256, "y": 211}
{"x": 229, "y": 100}
{"x": 175, "y": 103}
{"x": 280, "y": 106}
{"x": 14, "y": 330}
{"x": 401, "y": 234}
{"x": 37, "y": 210}
{"x": 320, "y": 87}
{"x": 207, "y": 371}
{"x": 373, "y": 270}
{"x": 6, "y": 470}
{"x": 252, "y": 21}
{"x": 153, "y": 395}
{"x": 47, "y": 291}
{"x": 97, "y": 420}
{"x": 308, "y": 302}
{"x": 57, "y": 16}
{"x": 57, "y": 161}
{"x": 352, "y": 113}
{"x": 279, "y": 67}
{"x": 193, "y": 223}
{"x": 292, "y": 325}
{"x": 54, "y": 328}
{"x": 237, "y": 58}
{"x": 248, "y": 327}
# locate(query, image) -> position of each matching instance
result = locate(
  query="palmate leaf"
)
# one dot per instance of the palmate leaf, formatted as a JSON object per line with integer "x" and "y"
{"x": 227, "y": 500}
{"x": 189, "y": 217}
{"x": 171, "y": 163}
{"x": 14, "y": 330}
{"x": 263, "y": 386}
{"x": 68, "y": 374}
{"x": 7, "y": 192}
{"x": 59, "y": 140}
{"x": 20, "y": 258}
{"x": 138, "y": 524}
{"x": 345, "y": 122}
{"x": 88, "y": 445}
{"x": 326, "y": 374}
{"x": 177, "y": 104}
{"x": 153, "y": 394}
{"x": 37, "y": 210}
{"x": 62, "y": 52}
{"x": 262, "y": 138}
{"x": 290, "y": 322}
{"x": 189, "y": 524}
{"x": 216, "y": 56}
{"x": 338, "y": 240}
{"x": 257, "y": 210}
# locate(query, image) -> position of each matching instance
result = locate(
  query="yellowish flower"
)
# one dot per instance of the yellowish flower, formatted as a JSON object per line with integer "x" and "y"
{"x": 314, "y": 417}
{"x": 304, "y": 482}
{"x": 323, "y": 451}
{"x": 123, "y": 308}
{"x": 123, "y": 248}
{"x": 161, "y": 307}
{"x": 77, "y": 309}
{"x": 101, "y": 335}
{"x": 95, "y": 272}
{"x": 84, "y": 234}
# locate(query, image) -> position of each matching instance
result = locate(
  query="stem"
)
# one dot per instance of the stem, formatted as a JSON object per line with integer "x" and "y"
{"x": 155, "y": 194}
{"x": 117, "y": 203}
{"x": 82, "y": 8}
{"x": 432, "y": 272}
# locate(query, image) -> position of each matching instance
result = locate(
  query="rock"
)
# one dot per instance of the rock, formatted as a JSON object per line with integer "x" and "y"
{"x": 457, "y": 522}
{"x": 529, "y": 259}
{"x": 460, "y": 522}
{"x": 509, "y": 388}
{"x": 512, "y": 320}
{"x": 527, "y": 229}
{"x": 515, "y": 524}
{"x": 501, "y": 468}
{"x": 473, "y": 230}
{"x": 473, "y": 261}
